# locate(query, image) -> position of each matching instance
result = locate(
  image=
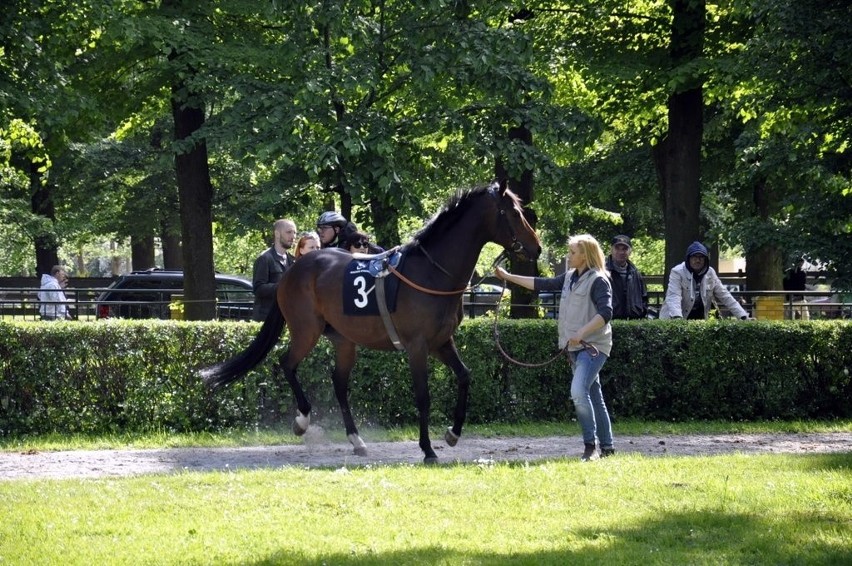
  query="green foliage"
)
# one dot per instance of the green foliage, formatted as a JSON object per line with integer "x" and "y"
{"x": 781, "y": 105}
{"x": 235, "y": 254}
{"x": 730, "y": 370}
{"x": 142, "y": 376}
{"x": 378, "y": 109}
{"x": 648, "y": 255}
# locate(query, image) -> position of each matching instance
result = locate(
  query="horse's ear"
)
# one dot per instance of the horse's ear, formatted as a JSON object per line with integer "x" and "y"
{"x": 502, "y": 185}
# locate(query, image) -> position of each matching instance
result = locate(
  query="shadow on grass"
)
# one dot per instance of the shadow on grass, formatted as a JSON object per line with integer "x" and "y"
{"x": 718, "y": 536}
{"x": 841, "y": 462}
{"x": 682, "y": 538}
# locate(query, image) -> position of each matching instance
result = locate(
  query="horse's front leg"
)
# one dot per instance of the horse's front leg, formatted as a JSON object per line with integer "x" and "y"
{"x": 344, "y": 362}
{"x": 303, "y": 414}
{"x": 449, "y": 355}
{"x": 418, "y": 362}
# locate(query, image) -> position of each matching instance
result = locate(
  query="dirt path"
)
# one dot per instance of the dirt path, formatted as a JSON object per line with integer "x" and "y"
{"x": 315, "y": 452}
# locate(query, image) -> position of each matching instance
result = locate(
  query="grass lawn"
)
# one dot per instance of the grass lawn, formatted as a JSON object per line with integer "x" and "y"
{"x": 629, "y": 509}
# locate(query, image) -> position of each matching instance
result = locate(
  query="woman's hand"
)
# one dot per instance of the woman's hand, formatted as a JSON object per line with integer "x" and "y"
{"x": 520, "y": 280}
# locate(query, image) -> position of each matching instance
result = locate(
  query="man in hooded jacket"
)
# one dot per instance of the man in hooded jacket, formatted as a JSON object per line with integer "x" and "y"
{"x": 53, "y": 302}
{"x": 694, "y": 286}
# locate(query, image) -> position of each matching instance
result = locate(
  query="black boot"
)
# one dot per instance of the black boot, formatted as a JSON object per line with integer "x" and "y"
{"x": 606, "y": 452}
{"x": 590, "y": 453}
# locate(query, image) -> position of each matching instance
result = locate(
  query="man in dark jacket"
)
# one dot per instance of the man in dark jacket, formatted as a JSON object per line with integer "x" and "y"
{"x": 796, "y": 279}
{"x": 269, "y": 268}
{"x": 629, "y": 295}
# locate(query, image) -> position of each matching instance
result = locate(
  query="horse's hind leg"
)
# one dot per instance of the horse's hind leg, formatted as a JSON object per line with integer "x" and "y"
{"x": 302, "y": 341}
{"x": 287, "y": 364}
{"x": 344, "y": 362}
{"x": 449, "y": 355}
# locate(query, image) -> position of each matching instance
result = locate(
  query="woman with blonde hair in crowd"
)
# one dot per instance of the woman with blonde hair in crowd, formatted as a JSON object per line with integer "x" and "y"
{"x": 585, "y": 311}
{"x": 308, "y": 242}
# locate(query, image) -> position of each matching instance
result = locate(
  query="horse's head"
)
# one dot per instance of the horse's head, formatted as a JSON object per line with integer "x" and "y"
{"x": 513, "y": 232}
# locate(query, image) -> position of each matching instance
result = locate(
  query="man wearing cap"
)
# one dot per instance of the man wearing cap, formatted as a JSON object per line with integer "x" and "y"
{"x": 629, "y": 294}
{"x": 694, "y": 287}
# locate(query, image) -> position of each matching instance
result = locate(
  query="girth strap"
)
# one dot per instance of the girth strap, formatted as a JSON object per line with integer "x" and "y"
{"x": 383, "y": 310}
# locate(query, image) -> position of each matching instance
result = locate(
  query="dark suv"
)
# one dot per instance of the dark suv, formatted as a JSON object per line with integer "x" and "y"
{"x": 148, "y": 294}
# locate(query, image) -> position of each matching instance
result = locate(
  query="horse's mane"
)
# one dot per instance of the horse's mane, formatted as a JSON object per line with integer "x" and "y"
{"x": 456, "y": 206}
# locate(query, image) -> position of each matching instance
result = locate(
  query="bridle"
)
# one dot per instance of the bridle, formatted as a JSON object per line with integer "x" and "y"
{"x": 515, "y": 247}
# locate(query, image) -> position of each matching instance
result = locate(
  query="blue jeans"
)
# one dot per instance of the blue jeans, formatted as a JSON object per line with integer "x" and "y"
{"x": 588, "y": 398}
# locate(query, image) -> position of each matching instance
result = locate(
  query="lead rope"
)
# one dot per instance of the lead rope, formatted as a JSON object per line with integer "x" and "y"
{"x": 590, "y": 348}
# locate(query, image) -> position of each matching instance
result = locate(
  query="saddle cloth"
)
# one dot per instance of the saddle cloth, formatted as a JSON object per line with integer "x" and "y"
{"x": 359, "y": 283}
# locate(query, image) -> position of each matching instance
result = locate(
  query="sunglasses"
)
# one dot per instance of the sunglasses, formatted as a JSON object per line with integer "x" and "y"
{"x": 361, "y": 244}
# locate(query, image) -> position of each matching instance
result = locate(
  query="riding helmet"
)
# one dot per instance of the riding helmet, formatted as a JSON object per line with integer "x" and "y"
{"x": 331, "y": 218}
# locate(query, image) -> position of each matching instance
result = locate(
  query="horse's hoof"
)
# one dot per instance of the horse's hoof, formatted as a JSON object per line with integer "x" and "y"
{"x": 357, "y": 444}
{"x": 301, "y": 424}
{"x": 450, "y": 437}
{"x": 430, "y": 460}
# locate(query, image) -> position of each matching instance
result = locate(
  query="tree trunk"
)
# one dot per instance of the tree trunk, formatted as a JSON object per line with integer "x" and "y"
{"x": 678, "y": 156}
{"x": 115, "y": 259}
{"x": 764, "y": 261}
{"x": 525, "y": 189}
{"x": 142, "y": 252}
{"x": 195, "y": 193}
{"x": 386, "y": 222}
{"x": 765, "y": 269}
{"x": 172, "y": 252}
{"x": 46, "y": 247}
{"x": 170, "y": 238}
{"x": 345, "y": 203}
{"x": 80, "y": 269}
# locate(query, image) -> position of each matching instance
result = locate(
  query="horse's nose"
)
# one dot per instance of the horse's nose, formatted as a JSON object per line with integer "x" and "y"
{"x": 533, "y": 255}
{"x": 529, "y": 254}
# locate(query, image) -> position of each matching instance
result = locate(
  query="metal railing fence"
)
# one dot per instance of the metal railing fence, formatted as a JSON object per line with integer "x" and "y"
{"x": 765, "y": 305}
{"x": 21, "y": 303}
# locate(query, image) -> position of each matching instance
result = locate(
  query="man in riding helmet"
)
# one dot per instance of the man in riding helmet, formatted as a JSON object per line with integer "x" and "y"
{"x": 334, "y": 229}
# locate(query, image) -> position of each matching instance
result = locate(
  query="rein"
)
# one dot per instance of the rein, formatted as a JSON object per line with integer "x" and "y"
{"x": 414, "y": 285}
{"x": 422, "y": 289}
{"x": 591, "y": 349}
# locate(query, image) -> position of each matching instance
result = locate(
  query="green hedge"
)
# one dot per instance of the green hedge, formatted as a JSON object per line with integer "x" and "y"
{"x": 141, "y": 376}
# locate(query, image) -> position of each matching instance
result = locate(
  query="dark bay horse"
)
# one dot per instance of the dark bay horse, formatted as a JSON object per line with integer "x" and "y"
{"x": 438, "y": 264}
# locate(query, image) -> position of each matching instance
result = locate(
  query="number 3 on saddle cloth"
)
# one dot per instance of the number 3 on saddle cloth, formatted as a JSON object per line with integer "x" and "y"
{"x": 359, "y": 283}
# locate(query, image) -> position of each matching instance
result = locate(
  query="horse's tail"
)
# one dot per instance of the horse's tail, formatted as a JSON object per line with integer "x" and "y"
{"x": 225, "y": 372}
